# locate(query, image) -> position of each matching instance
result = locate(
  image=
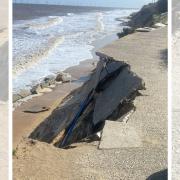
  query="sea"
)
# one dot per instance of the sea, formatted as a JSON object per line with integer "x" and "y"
{"x": 48, "y": 39}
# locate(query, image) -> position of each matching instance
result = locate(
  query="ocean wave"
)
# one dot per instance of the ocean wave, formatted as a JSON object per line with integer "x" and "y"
{"x": 70, "y": 14}
{"x": 52, "y": 21}
{"x": 26, "y": 60}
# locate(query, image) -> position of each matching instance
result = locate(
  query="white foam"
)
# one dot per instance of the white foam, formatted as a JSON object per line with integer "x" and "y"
{"x": 51, "y": 21}
{"x": 78, "y": 30}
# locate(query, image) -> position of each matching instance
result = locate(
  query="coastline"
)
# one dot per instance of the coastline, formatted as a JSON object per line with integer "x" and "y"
{"x": 58, "y": 59}
{"x": 97, "y": 44}
{"x": 154, "y": 142}
{"x": 147, "y": 123}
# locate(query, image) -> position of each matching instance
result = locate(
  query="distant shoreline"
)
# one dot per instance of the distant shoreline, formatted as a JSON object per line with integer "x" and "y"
{"x": 33, "y": 11}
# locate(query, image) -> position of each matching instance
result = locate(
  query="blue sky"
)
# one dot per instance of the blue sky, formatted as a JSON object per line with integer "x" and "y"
{"x": 106, "y": 3}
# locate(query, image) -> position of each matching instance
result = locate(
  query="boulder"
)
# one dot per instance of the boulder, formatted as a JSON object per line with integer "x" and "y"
{"x": 50, "y": 79}
{"x": 63, "y": 77}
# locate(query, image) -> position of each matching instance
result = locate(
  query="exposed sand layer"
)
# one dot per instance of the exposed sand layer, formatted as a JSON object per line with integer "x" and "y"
{"x": 146, "y": 53}
{"x": 4, "y": 140}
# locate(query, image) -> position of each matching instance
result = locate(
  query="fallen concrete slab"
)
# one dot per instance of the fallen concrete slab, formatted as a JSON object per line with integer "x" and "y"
{"x": 112, "y": 86}
{"x": 119, "y": 90}
{"x": 119, "y": 135}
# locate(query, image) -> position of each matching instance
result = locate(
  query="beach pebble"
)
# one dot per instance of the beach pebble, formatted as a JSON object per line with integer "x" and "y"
{"x": 64, "y": 77}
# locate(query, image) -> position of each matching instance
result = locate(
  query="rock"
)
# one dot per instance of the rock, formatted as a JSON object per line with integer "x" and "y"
{"x": 44, "y": 84}
{"x": 16, "y": 97}
{"x": 159, "y": 25}
{"x": 146, "y": 29}
{"x": 24, "y": 93}
{"x": 36, "y": 89}
{"x": 125, "y": 32}
{"x": 64, "y": 77}
{"x": 48, "y": 81}
{"x": 145, "y": 17}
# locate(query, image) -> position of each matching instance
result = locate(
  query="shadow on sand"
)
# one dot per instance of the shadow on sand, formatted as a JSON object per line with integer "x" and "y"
{"x": 161, "y": 175}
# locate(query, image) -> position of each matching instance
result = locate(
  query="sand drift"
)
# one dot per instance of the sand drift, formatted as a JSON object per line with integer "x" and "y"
{"x": 108, "y": 95}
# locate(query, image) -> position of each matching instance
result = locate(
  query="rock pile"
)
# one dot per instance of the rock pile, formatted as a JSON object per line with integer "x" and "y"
{"x": 43, "y": 86}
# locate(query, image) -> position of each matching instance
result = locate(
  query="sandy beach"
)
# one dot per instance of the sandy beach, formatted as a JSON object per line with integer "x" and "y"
{"x": 108, "y": 120}
{"x": 80, "y": 162}
{"x": 175, "y": 94}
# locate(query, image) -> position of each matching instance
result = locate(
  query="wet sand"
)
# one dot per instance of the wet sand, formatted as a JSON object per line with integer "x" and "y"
{"x": 24, "y": 123}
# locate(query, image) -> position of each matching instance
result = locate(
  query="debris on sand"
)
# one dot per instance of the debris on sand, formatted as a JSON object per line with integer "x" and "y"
{"x": 108, "y": 94}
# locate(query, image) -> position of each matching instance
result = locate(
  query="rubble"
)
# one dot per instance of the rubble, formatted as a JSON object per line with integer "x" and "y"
{"x": 83, "y": 113}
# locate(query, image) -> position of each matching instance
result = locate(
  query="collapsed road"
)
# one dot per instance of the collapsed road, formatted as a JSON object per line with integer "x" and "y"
{"x": 107, "y": 95}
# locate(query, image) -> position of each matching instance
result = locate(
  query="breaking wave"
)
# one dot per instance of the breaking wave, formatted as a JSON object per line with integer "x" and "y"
{"x": 34, "y": 55}
{"x": 52, "y": 21}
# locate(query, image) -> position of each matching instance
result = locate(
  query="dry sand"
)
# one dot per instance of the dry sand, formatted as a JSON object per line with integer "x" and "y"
{"x": 176, "y": 107}
{"x": 146, "y": 53}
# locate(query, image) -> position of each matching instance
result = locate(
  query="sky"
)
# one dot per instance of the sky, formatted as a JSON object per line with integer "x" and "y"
{"x": 104, "y": 3}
